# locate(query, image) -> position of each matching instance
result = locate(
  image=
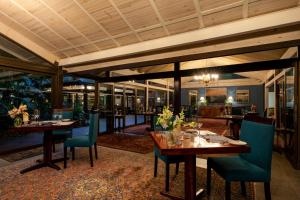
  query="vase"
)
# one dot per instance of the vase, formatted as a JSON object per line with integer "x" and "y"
{"x": 17, "y": 121}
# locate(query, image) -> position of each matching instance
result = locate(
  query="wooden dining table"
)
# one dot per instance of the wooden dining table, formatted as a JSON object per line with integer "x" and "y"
{"x": 189, "y": 147}
{"x": 45, "y": 127}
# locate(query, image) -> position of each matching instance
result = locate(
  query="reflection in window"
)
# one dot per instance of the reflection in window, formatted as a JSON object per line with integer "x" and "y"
{"x": 23, "y": 88}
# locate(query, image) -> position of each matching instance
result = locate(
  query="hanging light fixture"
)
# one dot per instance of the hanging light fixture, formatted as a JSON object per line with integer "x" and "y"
{"x": 206, "y": 78}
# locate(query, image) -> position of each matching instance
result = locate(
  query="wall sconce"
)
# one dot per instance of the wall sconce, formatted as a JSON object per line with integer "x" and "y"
{"x": 138, "y": 100}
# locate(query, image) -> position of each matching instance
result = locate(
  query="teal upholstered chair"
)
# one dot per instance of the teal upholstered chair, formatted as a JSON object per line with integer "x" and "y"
{"x": 254, "y": 166}
{"x": 166, "y": 159}
{"x": 59, "y": 135}
{"x": 84, "y": 140}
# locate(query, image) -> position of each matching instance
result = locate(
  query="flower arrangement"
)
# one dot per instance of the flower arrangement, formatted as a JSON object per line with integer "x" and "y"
{"x": 19, "y": 114}
{"x": 166, "y": 119}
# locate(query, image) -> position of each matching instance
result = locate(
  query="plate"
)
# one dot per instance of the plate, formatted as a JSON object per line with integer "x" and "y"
{"x": 237, "y": 142}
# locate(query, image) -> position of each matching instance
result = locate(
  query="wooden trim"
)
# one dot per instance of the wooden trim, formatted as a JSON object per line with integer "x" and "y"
{"x": 25, "y": 66}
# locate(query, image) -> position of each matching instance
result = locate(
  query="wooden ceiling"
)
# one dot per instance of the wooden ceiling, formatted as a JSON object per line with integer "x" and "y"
{"x": 76, "y": 27}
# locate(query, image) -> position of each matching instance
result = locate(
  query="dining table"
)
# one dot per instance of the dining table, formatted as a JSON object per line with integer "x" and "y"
{"x": 45, "y": 127}
{"x": 189, "y": 145}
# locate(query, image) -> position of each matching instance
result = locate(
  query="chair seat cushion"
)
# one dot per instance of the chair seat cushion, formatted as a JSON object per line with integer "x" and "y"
{"x": 168, "y": 159}
{"x": 78, "y": 141}
{"x": 237, "y": 169}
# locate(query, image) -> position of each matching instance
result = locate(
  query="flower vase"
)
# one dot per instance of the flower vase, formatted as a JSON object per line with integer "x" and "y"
{"x": 17, "y": 122}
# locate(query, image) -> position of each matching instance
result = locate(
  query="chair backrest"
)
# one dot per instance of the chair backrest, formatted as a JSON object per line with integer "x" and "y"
{"x": 258, "y": 119}
{"x": 260, "y": 138}
{"x": 67, "y": 113}
{"x": 93, "y": 127}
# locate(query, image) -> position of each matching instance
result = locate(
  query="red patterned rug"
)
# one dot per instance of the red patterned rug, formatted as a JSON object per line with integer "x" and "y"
{"x": 118, "y": 175}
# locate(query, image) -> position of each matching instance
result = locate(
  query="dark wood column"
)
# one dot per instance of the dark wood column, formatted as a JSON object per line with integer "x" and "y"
{"x": 56, "y": 88}
{"x": 96, "y": 99}
{"x": 296, "y": 138}
{"x": 177, "y": 88}
{"x": 85, "y": 100}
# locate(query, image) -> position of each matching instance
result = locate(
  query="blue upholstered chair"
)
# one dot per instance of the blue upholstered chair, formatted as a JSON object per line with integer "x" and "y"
{"x": 84, "y": 140}
{"x": 166, "y": 159}
{"x": 247, "y": 167}
{"x": 59, "y": 135}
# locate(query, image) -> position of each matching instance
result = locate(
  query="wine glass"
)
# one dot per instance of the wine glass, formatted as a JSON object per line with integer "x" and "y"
{"x": 36, "y": 114}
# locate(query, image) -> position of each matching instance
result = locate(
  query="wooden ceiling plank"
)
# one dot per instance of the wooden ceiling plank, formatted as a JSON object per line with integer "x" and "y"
{"x": 249, "y": 25}
{"x": 224, "y": 7}
{"x": 44, "y": 24}
{"x": 125, "y": 20}
{"x": 245, "y": 8}
{"x": 68, "y": 23}
{"x": 137, "y": 30}
{"x": 96, "y": 22}
{"x": 197, "y": 6}
{"x": 161, "y": 20}
{"x": 35, "y": 34}
{"x": 28, "y": 44}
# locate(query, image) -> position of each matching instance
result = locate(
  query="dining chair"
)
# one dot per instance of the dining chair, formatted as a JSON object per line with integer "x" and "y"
{"x": 247, "y": 167}
{"x": 61, "y": 135}
{"x": 84, "y": 140}
{"x": 166, "y": 159}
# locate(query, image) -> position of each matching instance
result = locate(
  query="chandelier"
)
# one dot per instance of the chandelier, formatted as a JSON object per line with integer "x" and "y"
{"x": 206, "y": 78}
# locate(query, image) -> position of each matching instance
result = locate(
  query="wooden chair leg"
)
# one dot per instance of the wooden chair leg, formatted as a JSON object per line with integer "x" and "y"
{"x": 73, "y": 153}
{"x": 96, "y": 152}
{"x": 155, "y": 165}
{"x": 243, "y": 187}
{"x": 65, "y": 157}
{"x": 53, "y": 147}
{"x": 227, "y": 190}
{"x": 267, "y": 190}
{"x": 91, "y": 156}
{"x": 177, "y": 168}
{"x": 208, "y": 180}
{"x": 167, "y": 177}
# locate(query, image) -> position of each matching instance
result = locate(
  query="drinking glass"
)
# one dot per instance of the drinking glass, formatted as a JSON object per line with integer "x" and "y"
{"x": 36, "y": 114}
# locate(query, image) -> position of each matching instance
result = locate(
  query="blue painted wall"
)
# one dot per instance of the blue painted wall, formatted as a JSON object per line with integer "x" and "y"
{"x": 256, "y": 93}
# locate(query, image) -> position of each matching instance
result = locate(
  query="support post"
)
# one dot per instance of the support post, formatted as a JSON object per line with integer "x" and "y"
{"x": 96, "y": 99}
{"x": 85, "y": 100}
{"x": 56, "y": 88}
{"x": 177, "y": 88}
{"x": 297, "y": 111}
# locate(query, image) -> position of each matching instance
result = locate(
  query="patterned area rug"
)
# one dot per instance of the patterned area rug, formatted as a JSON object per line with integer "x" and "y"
{"x": 133, "y": 143}
{"x": 116, "y": 175}
{"x": 137, "y": 130}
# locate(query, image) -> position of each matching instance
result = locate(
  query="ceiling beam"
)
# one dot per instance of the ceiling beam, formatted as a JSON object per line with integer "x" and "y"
{"x": 21, "y": 40}
{"x": 223, "y": 83}
{"x": 13, "y": 53}
{"x": 25, "y": 66}
{"x": 236, "y": 68}
{"x": 229, "y": 48}
{"x": 249, "y": 25}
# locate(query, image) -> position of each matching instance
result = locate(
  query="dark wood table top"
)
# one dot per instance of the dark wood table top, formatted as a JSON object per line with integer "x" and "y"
{"x": 193, "y": 145}
{"x": 234, "y": 117}
{"x": 42, "y": 126}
